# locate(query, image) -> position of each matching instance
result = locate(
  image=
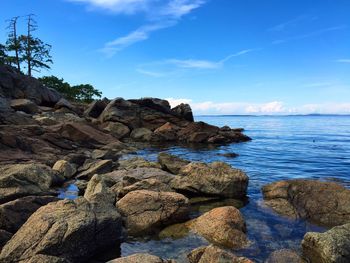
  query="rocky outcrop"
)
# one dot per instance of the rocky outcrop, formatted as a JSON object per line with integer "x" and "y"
{"x": 223, "y": 226}
{"x": 18, "y": 86}
{"x": 142, "y": 258}
{"x": 214, "y": 179}
{"x": 183, "y": 111}
{"x": 117, "y": 129}
{"x": 15, "y": 213}
{"x": 148, "y": 211}
{"x": 96, "y": 167}
{"x": 284, "y": 256}
{"x": 21, "y": 180}
{"x": 310, "y": 200}
{"x": 24, "y": 105}
{"x": 96, "y": 107}
{"x": 70, "y": 230}
{"x": 65, "y": 168}
{"x": 213, "y": 254}
{"x": 171, "y": 163}
{"x": 333, "y": 246}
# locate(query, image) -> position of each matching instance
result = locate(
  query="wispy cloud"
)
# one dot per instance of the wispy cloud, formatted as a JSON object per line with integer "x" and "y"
{"x": 308, "y": 35}
{"x": 343, "y": 60}
{"x": 268, "y": 108}
{"x": 169, "y": 66}
{"x": 292, "y": 22}
{"x": 317, "y": 84}
{"x": 158, "y": 15}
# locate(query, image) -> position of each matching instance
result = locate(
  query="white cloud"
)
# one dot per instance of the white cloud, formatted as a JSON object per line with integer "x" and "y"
{"x": 293, "y": 22}
{"x": 159, "y": 15}
{"x": 343, "y": 60}
{"x": 269, "y": 108}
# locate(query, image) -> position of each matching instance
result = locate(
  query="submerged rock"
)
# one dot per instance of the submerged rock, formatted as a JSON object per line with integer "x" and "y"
{"x": 322, "y": 203}
{"x": 148, "y": 211}
{"x": 214, "y": 179}
{"x": 71, "y": 230}
{"x": 213, "y": 254}
{"x": 223, "y": 226}
{"x": 333, "y": 246}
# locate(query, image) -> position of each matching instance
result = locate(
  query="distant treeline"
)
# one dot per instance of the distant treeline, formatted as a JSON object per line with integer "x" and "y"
{"x": 29, "y": 53}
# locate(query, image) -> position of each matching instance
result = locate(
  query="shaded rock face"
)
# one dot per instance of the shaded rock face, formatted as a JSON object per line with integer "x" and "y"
{"x": 171, "y": 163}
{"x": 70, "y": 230}
{"x": 310, "y": 200}
{"x": 18, "y": 86}
{"x": 4, "y": 237}
{"x": 96, "y": 107}
{"x": 333, "y": 246}
{"x": 147, "y": 211}
{"x": 214, "y": 179}
{"x": 183, "y": 111}
{"x": 223, "y": 226}
{"x": 284, "y": 256}
{"x": 15, "y": 213}
{"x": 21, "y": 180}
{"x": 24, "y": 105}
{"x": 142, "y": 258}
{"x": 214, "y": 254}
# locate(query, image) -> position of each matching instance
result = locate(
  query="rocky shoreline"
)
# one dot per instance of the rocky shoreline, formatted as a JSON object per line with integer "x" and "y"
{"x": 47, "y": 141}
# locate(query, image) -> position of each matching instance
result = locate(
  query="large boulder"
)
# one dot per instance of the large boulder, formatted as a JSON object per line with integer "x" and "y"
{"x": 141, "y": 134}
{"x": 98, "y": 191}
{"x": 96, "y": 167}
{"x": 96, "y": 107}
{"x": 15, "y": 213}
{"x": 84, "y": 133}
{"x": 148, "y": 211}
{"x": 65, "y": 168}
{"x": 184, "y": 111}
{"x": 214, "y": 179}
{"x": 24, "y": 105}
{"x": 171, "y": 163}
{"x": 139, "y": 258}
{"x": 117, "y": 129}
{"x": 333, "y": 246}
{"x": 70, "y": 230}
{"x": 223, "y": 226}
{"x": 19, "y": 180}
{"x": 18, "y": 86}
{"x": 214, "y": 254}
{"x": 310, "y": 200}
{"x": 166, "y": 132}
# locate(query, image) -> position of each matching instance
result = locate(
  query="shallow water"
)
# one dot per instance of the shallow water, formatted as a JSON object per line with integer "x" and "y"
{"x": 287, "y": 147}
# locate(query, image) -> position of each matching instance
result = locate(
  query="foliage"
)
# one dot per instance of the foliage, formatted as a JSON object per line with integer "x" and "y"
{"x": 81, "y": 93}
{"x": 3, "y": 55}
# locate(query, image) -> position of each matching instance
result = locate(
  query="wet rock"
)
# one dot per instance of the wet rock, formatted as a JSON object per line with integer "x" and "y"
{"x": 284, "y": 256}
{"x": 147, "y": 211}
{"x": 183, "y": 111}
{"x": 309, "y": 199}
{"x": 15, "y": 213}
{"x": 214, "y": 179}
{"x": 213, "y": 254}
{"x": 21, "y": 180}
{"x": 65, "y": 168}
{"x": 142, "y": 258}
{"x": 96, "y": 167}
{"x": 141, "y": 134}
{"x": 333, "y": 246}
{"x": 229, "y": 155}
{"x": 71, "y": 230}
{"x": 223, "y": 226}
{"x": 117, "y": 129}
{"x": 24, "y": 105}
{"x": 171, "y": 163}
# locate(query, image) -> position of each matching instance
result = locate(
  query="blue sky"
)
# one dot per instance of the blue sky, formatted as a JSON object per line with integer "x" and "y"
{"x": 221, "y": 56}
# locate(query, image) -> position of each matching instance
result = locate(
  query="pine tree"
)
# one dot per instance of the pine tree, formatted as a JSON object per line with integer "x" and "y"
{"x": 13, "y": 43}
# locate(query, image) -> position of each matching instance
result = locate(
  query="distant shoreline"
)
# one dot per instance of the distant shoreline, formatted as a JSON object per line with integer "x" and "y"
{"x": 290, "y": 115}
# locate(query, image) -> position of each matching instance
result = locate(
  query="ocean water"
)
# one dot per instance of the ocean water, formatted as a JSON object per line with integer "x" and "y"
{"x": 283, "y": 147}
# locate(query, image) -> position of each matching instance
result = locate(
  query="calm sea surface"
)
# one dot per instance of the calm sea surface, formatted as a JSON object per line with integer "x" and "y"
{"x": 285, "y": 147}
